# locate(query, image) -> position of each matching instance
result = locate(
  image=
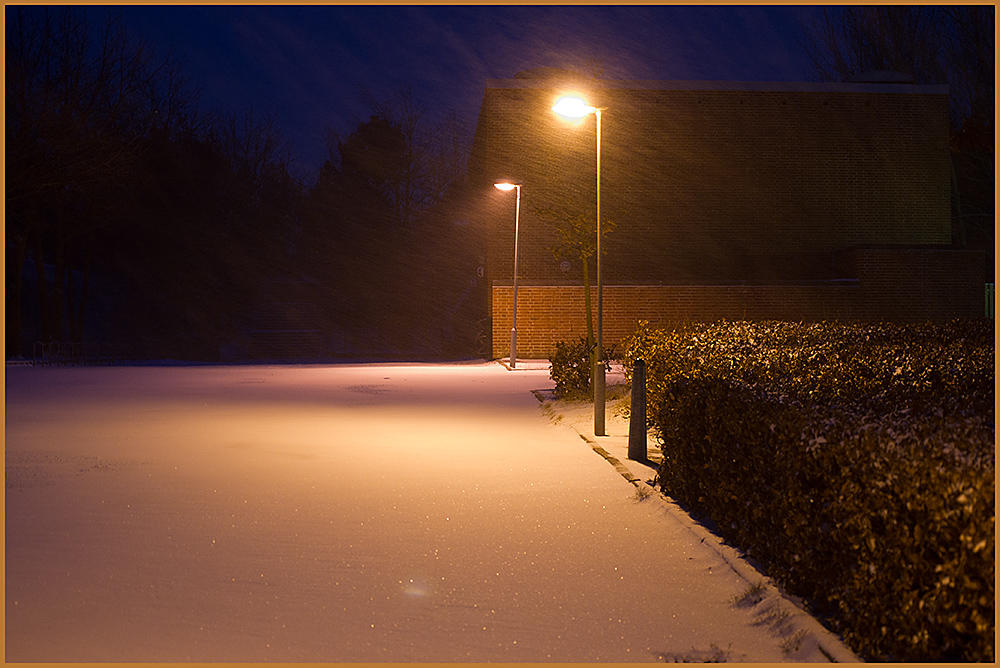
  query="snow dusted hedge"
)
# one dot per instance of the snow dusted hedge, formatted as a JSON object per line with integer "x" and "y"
{"x": 854, "y": 462}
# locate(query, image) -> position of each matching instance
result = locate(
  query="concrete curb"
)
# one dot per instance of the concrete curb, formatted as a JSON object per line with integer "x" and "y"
{"x": 525, "y": 365}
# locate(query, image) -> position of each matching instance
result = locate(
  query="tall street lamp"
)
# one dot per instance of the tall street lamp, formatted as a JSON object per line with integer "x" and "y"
{"x": 575, "y": 107}
{"x": 517, "y": 223}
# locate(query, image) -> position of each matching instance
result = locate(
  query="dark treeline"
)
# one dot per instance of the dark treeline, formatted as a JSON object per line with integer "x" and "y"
{"x": 133, "y": 218}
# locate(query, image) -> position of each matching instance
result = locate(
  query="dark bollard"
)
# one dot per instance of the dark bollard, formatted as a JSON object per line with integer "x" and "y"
{"x": 637, "y": 417}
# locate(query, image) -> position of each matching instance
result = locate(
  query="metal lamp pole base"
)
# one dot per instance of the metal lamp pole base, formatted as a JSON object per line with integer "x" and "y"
{"x": 599, "y": 398}
{"x": 513, "y": 348}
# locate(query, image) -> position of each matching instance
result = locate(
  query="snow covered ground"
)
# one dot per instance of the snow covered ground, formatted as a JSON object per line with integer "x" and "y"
{"x": 386, "y": 513}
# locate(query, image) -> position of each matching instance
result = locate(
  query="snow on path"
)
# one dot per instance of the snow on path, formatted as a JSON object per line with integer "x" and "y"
{"x": 363, "y": 513}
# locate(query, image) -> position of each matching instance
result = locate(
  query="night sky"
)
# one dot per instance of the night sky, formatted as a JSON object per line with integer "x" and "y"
{"x": 306, "y": 65}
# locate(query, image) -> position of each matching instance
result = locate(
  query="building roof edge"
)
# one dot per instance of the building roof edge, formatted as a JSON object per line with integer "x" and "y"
{"x": 742, "y": 86}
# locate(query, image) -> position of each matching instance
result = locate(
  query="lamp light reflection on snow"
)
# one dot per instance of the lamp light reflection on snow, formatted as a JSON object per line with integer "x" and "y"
{"x": 416, "y": 588}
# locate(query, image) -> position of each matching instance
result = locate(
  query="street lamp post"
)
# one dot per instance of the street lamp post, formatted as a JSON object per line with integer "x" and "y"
{"x": 574, "y": 107}
{"x": 517, "y": 224}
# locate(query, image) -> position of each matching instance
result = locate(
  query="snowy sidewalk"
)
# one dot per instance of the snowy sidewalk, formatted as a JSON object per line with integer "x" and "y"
{"x": 387, "y": 513}
{"x": 785, "y": 614}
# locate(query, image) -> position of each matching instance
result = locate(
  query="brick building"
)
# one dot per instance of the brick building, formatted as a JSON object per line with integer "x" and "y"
{"x": 797, "y": 201}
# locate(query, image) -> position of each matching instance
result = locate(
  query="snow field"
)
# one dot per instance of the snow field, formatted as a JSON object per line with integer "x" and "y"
{"x": 349, "y": 513}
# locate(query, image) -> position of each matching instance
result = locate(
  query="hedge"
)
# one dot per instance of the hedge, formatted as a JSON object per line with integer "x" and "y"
{"x": 855, "y": 463}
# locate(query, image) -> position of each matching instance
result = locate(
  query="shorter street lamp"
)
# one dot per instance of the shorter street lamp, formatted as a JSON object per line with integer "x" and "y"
{"x": 507, "y": 187}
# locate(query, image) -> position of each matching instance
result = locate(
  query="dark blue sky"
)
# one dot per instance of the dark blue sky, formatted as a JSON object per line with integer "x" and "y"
{"x": 307, "y": 64}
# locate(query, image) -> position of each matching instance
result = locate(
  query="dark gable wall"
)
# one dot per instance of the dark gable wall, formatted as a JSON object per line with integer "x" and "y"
{"x": 711, "y": 185}
{"x": 731, "y": 200}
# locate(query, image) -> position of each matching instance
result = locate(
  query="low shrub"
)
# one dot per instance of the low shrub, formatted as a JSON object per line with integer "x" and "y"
{"x": 854, "y": 462}
{"x": 571, "y": 369}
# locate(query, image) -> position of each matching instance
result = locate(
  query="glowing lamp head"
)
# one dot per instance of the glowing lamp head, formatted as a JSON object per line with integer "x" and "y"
{"x": 504, "y": 186}
{"x": 573, "y": 107}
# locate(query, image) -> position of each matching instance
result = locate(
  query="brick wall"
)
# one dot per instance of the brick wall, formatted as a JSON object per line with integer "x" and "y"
{"x": 550, "y": 313}
{"x": 891, "y": 284}
{"x": 917, "y": 284}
